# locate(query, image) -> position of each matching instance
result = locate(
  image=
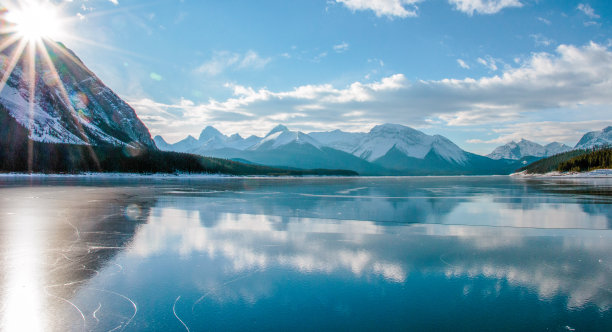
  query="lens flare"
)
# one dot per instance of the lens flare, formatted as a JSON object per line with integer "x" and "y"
{"x": 34, "y": 21}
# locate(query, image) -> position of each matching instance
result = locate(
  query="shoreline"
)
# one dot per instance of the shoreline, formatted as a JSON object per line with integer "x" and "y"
{"x": 599, "y": 173}
{"x": 98, "y": 175}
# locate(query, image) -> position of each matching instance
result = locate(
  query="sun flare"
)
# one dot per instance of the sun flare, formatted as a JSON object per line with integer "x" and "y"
{"x": 36, "y": 21}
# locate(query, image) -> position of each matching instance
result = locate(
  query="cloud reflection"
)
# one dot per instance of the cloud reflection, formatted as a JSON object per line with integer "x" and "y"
{"x": 547, "y": 261}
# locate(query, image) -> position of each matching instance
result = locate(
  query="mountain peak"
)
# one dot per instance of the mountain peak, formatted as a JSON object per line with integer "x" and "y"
{"x": 209, "y": 132}
{"x": 524, "y": 148}
{"x": 395, "y": 128}
{"x": 276, "y": 129}
{"x": 103, "y": 117}
{"x": 161, "y": 143}
{"x": 390, "y": 126}
{"x": 595, "y": 139}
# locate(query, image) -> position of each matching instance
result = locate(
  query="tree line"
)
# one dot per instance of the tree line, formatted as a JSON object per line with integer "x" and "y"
{"x": 20, "y": 154}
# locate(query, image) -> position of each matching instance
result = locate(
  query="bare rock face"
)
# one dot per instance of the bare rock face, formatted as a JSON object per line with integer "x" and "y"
{"x": 70, "y": 104}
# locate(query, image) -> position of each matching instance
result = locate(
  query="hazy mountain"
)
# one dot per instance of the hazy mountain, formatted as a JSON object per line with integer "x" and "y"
{"x": 524, "y": 148}
{"x": 73, "y": 107}
{"x": 338, "y": 139}
{"x": 281, "y": 136}
{"x": 161, "y": 143}
{"x": 596, "y": 139}
{"x": 408, "y": 141}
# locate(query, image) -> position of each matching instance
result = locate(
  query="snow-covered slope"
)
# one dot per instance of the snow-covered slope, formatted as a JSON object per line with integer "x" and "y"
{"x": 187, "y": 144}
{"x": 77, "y": 109}
{"x": 556, "y": 148}
{"x": 211, "y": 139}
{"x": 281, "y": 136}
{"x": 368, "y": 146}
{"x": 596, "y": 139}
{"x": 413, "y": 143}
{"x": 524, "y": 148}
{"x": 237, "y": 142}
{"x": 386, "y": 150}
{"x": 338, "y": 139}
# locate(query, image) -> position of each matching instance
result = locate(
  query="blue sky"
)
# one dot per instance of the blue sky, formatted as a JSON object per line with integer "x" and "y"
{"x": 480, "y": 72}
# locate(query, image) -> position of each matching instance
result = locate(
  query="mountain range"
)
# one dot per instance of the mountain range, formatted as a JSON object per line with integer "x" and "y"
{"x": 524, "y": 148}
{"x": 388, "y": 149}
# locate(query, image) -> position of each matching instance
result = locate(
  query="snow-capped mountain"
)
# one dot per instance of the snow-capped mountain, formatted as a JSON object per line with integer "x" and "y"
{"x": 386, "y": 149}
{"x": 411, "y": 142}
{"x": 596, "y": 139}
{"x": 524, "y": 148}
{"x": 211, "y": 140}
{"x": 73, "y": 106}
{"x": 281, "y": 136}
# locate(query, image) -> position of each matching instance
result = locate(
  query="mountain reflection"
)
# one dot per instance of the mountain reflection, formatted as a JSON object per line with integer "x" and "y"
{"x": 567, "y": 262}
{"x": 240, "y": 251}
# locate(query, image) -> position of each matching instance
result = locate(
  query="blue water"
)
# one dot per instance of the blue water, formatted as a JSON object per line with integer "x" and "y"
{"x": 441, "y": 253}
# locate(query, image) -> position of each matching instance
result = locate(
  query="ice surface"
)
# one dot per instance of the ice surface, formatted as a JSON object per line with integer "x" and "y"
{"x": 99, "y": 253}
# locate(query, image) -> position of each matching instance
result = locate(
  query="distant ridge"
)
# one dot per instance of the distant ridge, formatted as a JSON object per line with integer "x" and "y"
{"x": 525, "y": 148}
{"x": 388, "y": 149}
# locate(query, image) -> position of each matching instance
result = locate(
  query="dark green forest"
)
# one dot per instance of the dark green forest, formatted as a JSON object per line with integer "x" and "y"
{"x": 19, "y": 154}
{"x": 588, "y": 162}
{"x": 574, "y": 161}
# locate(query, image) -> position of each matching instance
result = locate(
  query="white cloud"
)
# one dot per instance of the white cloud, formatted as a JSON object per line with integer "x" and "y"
{"x": 545, "y": 21}
{"x": 224, "y": 60}
{"x": 389, "y": 8}
{"x": 489, "y": 62}
{"x": 587, "y": 10}
{"x": 462, "y": 64}
{"x": 342, "y": 47}
{"x": 252, "y": 60}
{"x": 483, "y": 6}
{"x": 115, "y": 2}
{"x": 541, "y": 40}
{"x": 571, "y": 78}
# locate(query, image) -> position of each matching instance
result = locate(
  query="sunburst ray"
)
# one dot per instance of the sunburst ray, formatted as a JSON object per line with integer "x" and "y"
{"x": 14, "y": 59}
{"x": 64, "y": 95}
{"x": 30, "y": 60}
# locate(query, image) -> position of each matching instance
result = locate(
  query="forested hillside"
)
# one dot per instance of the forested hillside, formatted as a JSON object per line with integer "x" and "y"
{"x": 575, "y": 161}
{"x": 19, "y": 154}
{"x": 591, "y": 161}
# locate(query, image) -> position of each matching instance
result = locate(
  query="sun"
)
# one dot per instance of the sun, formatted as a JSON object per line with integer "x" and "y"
{"x": 35, "y": 21}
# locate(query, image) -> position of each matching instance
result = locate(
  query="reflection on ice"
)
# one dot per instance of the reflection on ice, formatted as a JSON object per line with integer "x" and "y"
{"x": 539, "y": 259}
{"x": 265, "y": 253}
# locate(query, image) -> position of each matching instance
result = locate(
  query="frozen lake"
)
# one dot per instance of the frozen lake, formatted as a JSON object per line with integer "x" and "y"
{"x": 451, "y": 253}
